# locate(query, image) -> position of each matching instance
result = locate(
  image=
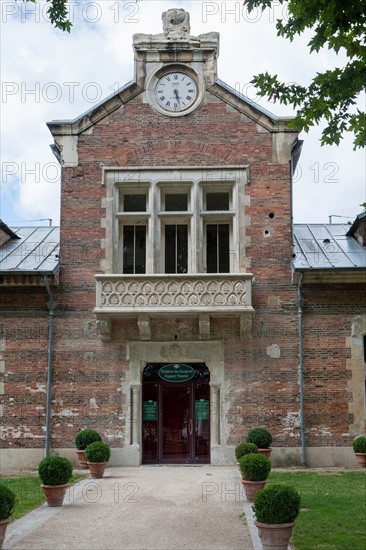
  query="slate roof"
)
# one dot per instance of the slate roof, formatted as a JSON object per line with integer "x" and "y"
{"x": 326, "y": 247}
{"x": 317, "y": 247}
{"x": 35, "y": 251}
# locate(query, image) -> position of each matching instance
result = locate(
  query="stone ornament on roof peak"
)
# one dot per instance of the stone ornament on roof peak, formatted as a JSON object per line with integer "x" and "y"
{"x": 176, "y": 28}
{"x": 176, "y": 23}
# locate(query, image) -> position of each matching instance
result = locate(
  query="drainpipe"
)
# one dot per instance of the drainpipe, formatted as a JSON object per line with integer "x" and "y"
{"x": 300, "y": 302}
{"x": 295, "y": 155}
{"x": 51, "y": 305}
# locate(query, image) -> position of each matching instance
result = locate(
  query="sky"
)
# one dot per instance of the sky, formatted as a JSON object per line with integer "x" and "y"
{"x": 47, "y": 74}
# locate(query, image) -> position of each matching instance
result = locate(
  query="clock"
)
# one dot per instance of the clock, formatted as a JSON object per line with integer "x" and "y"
{"x": 175, "y": 91}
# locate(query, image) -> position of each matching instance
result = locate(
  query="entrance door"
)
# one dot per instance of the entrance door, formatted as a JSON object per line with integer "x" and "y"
{"x": 176, "y": 419}
{"x": 176, "y": 424}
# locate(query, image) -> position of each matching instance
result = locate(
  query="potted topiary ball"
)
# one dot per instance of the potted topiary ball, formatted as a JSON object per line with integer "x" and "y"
{"x": 276, "y": 508}
{"x": 55, "y": 473}
{"x": 255, "y": 469}
{"x": 7, "y": 502}
{"x": 359, "y": 447}
{"x": 262, "y": 438}
{"x": 97, "y": 455}
{"x": 244, "y": 449}
{"x": 82, "y": 440}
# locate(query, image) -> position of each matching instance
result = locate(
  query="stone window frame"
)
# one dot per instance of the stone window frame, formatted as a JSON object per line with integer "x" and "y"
{"x": 132, "y": 218}
{"x": 163, "y": 218}
{"x": 220, "y": 216}
{"x": 155, "y": 180}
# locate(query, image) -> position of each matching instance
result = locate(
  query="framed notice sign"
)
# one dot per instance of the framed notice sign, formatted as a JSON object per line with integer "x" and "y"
{"x": 202, "y": 409}
{"x": 150, "y": 410}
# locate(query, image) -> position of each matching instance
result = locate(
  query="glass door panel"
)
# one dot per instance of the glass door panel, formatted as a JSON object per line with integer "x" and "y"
{"x": 176, "y": 425}
{"x": 150, "y": 415}
{"x": 202, "y": 422}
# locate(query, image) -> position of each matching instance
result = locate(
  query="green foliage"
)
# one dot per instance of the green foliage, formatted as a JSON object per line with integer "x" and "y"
{"x": 244, "y": 449}
{"x": 98, "y": 452}
{"x": 85, "y": 437}
{"x": 334, "y": 509}
{"x": 255, "y": 467}
{"x": 359, "y": 444}
{"x": 332, "y": 95}
{"x": 7, "y": 502}
{"x": 55, "y": 470}
{"x": 277, "y": 503}
{"x": 28, "y": 492}
{"x": 260, "y": 437}
{"x": 57, "y": 12}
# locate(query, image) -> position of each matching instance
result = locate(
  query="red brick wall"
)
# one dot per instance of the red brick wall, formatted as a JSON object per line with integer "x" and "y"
{"x": 328, "y": 313}
{"x": 88, "y": 374}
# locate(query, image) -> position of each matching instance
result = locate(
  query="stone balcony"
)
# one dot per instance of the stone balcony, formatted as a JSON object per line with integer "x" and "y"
{"x": 157, "y": 295}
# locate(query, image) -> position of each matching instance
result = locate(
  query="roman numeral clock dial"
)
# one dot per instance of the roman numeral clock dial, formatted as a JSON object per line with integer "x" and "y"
{"x": 176, "y": 91}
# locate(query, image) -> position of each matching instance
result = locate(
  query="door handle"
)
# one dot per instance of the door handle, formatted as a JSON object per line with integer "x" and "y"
{"x": 190, "y": 428}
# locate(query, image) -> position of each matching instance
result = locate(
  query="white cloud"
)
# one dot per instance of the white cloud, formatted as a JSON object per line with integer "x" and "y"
{"x": 332, "y": 179}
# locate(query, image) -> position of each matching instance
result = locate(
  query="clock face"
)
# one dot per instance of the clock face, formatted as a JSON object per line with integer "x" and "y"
{"x": 176, "y": 91}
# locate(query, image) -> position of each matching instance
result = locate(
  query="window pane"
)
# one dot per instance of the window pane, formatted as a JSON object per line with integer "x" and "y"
{"x": 182, "y": 249}
{"x": 134, "y": 249}
{"x": 140, "y": 249}
{"x": 211, "y": 248}
{"x": 224, "y": 253}
{"x": 170, "y": 232}
{"x": 217, "y": 248}
{"x": 176, "y": 202}
{"x": 176, "y": 249}
{"x": 217, "y": 201}
{"x": 134, "y": 203}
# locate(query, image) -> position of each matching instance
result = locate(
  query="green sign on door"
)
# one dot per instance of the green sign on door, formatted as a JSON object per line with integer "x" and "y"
{"x": 150, "y": 410}
{"x": 202, "y": 409}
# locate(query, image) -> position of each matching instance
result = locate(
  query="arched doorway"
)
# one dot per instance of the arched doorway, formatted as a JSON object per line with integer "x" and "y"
{"x": 176, "y": 413}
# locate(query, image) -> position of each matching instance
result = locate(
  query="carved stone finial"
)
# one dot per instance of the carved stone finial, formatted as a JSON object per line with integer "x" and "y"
{"x": 176, "y": 23}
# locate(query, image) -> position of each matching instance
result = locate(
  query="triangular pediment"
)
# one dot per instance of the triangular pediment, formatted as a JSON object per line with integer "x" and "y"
{"x": 130, "y": 91}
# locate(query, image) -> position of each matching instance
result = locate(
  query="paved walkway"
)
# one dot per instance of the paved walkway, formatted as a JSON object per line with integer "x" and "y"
{"x": 146, "y": 508}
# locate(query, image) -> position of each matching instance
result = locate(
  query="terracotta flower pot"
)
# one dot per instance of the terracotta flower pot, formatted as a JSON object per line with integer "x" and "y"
{"x": 3, "y": 525}
{"x": 251, "y": 488}
{"x": 276, "y": 536}
{"x": 54, "y": 494}
{"x": 82, "y": 460}
{"x": 265, "y": 452}
{"x": 97, "y": 469}
{"x": 361, "y": 459}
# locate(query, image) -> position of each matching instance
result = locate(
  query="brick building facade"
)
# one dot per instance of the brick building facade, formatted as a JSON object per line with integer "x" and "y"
{"x": 169, "y": 318}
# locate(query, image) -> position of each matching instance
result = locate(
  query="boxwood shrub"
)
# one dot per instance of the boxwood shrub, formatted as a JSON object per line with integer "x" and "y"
{"x": 277, "y": 503}
{"x": 260, "y": 437}
{"x": 7, "y": 502}
{"x": 97, "y": 452}
{"x": 55, "y": 470}
{"x": 359, "y": 444}
{"x": 255, "y": 467}
{"x": 244, "y": 449}
{"x": 85, "y": 437}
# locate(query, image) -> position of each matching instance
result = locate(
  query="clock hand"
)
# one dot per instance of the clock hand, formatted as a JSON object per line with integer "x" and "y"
{"x": 175, "y": 91}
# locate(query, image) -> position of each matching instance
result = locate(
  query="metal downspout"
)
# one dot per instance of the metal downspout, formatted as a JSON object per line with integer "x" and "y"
{"x": 291, "y": 162}
{"x": 51, "y": 305}
{"x": 300, "y": 302}
{"x": 295, "y": 155}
